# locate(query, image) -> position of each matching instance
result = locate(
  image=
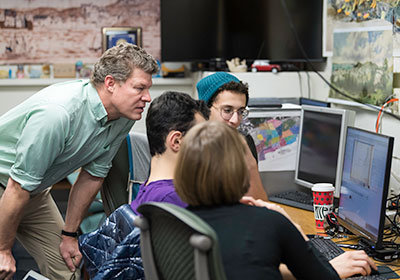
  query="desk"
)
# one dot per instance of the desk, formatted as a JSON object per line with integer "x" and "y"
{"x": 302, "y": 217}
{"x": 306, "y": 220}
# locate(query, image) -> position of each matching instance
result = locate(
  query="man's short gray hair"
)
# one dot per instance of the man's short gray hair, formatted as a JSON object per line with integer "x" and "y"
{"x": 119, "y": 62}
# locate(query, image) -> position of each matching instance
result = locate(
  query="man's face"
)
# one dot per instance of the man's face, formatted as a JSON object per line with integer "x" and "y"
{"x": 130, "y": 98}
{"x": 227, "y": 101}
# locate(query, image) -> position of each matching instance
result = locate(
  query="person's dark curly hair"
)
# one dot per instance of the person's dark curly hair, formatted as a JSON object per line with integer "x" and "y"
{"x": 236, "y": 87}
{"x": 171, "y": 111}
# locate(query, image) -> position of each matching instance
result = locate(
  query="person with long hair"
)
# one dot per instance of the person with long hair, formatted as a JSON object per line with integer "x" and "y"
{"x": 211, "y": 177}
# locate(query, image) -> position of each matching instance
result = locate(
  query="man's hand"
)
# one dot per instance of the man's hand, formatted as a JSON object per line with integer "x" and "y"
{"x": 271, "y": 206}
{"x": 12, "y": 203}
{"x": 351, "y": 263}
{"x": 81, "y": 195}
{"x": 70, "y": 252}
{"x": 7, "y": 265}
{"x": 261, "y": 203}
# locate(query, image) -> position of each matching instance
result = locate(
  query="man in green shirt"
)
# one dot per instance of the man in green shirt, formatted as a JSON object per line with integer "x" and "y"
{"x": 58, "y": 130}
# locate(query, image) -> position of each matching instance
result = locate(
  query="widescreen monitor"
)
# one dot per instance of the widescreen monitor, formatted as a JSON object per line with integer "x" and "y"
{"x": 365, "y": 183}
{"x": 321, "y": 145}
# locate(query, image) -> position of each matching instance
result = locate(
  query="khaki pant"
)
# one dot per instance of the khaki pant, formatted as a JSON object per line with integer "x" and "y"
{"x": 40, "y": 234}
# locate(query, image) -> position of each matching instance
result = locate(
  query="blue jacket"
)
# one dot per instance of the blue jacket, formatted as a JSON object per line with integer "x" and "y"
{"x": 113, "y": 250}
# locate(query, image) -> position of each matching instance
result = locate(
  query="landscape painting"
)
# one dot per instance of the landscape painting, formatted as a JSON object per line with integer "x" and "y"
{"x": 362, "y": 64}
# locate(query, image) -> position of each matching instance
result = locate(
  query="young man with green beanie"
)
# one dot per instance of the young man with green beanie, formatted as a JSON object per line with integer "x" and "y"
{"x": 227, "y": 98}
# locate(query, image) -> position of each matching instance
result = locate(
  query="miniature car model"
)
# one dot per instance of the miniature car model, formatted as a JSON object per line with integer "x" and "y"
{"x": 264, "y": 65}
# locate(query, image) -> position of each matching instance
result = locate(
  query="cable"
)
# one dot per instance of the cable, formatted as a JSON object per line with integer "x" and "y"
{"x": 308, "y": 84}
{"x": 289, "y": 19}
{"x": 381, "y": 112}
{"x": 395, "y": 176}
{"x": 301, "y": 88}
{"x": 260, "y": 50}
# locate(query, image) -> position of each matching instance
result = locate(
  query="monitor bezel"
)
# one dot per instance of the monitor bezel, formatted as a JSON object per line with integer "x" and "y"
{"x": 348, "y": 117}
{"x": 352, "y": 226}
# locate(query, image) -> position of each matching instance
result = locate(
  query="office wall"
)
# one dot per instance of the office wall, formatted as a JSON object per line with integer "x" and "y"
{"x": 50, "y": 31}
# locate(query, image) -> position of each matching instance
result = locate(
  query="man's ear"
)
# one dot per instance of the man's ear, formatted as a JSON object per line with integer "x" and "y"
{"x": 109, "y": 83}
{"x": 174, "y": 140}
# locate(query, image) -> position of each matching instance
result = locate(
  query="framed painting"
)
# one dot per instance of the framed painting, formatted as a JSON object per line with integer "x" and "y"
{"x": 111, "y": 36}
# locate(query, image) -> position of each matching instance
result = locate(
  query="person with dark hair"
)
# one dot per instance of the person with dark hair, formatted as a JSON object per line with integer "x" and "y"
{"x": 66, "y": 126}
{"x": 254, "y": 240}
{"x": 227, "y": 98}
{"x": 168, "y": 119}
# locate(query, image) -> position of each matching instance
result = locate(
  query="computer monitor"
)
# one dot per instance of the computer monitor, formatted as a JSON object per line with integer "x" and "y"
{"x": 321, "y": 145}
{"x": 313, "y": 102}
{"x": 365, "y": 183}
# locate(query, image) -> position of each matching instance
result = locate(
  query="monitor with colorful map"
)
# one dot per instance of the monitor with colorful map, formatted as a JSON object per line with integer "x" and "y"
{"x": 321, "y": 145}
{"x": 275, "y": 132}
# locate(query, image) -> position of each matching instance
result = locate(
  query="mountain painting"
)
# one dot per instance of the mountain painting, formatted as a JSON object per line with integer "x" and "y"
{"x": 362, "y": 65}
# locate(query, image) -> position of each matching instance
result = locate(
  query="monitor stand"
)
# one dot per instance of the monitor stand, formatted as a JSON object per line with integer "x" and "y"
{"x": 384, "y": 254}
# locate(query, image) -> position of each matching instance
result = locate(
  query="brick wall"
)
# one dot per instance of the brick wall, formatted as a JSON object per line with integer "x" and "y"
{"x": 68, "y": 31}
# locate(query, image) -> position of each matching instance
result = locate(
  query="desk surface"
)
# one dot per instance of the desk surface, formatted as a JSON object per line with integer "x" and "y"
{"x": 306, "y": 220}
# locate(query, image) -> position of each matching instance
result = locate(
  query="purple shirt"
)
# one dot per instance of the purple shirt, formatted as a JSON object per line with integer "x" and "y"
{"x": 157, "y": 191}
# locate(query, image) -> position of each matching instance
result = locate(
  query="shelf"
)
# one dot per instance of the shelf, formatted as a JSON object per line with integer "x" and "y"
{"x": 354, "y": 104}
{"x": 30, "y": 82}
{"x": 46, "y": 82}
{"x": 172, "y": 81}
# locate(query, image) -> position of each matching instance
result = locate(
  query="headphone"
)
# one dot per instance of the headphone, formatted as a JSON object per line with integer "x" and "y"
{"x": 331, "y": 225}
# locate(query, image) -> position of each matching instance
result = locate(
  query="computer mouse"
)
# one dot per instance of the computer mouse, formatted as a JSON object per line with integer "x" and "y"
{"x": 374, "y": 272}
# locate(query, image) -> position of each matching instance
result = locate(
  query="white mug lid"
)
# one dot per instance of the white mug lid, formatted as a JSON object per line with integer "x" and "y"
{"x": 323, "y": 187}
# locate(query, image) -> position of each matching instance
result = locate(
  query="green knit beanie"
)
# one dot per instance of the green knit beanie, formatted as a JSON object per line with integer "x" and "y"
{"x": 207, "y": 86}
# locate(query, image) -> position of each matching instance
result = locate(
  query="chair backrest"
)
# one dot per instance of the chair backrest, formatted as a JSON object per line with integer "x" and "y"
{"x": 139, "y": 162}
{"x": 177, "y": 244}
{"x": 115, "y": 191}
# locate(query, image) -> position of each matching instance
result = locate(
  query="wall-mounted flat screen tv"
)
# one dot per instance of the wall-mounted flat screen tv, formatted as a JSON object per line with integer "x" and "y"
{"x": 193, "y": 30}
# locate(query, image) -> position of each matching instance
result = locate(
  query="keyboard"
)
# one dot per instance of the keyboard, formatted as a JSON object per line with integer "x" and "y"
{"x": 327, "y": 247}
{"x": 369, "y": 277}
{"x": 330, "y": 250}
{"x": 296, "y": 199}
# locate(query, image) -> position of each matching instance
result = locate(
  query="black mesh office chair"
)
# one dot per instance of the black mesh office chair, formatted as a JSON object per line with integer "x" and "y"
{"x": 177, "y": 244}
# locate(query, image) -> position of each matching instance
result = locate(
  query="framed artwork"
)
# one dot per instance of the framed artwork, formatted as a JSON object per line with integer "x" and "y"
{"x": 111, "y": 36}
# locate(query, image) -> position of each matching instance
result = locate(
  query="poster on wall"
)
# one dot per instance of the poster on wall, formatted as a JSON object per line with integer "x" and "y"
{"x": 275, "y": 134}
{"x": 345, "y": 13}
{"x": 328, "y": 23}
{"x": 362, "y": 63}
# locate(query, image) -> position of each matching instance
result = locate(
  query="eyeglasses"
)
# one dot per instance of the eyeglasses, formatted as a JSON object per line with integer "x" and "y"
{"x": 227, "y": 112}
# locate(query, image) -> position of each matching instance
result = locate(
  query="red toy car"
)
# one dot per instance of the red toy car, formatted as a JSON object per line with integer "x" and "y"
{"x": 264, "y": 65}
